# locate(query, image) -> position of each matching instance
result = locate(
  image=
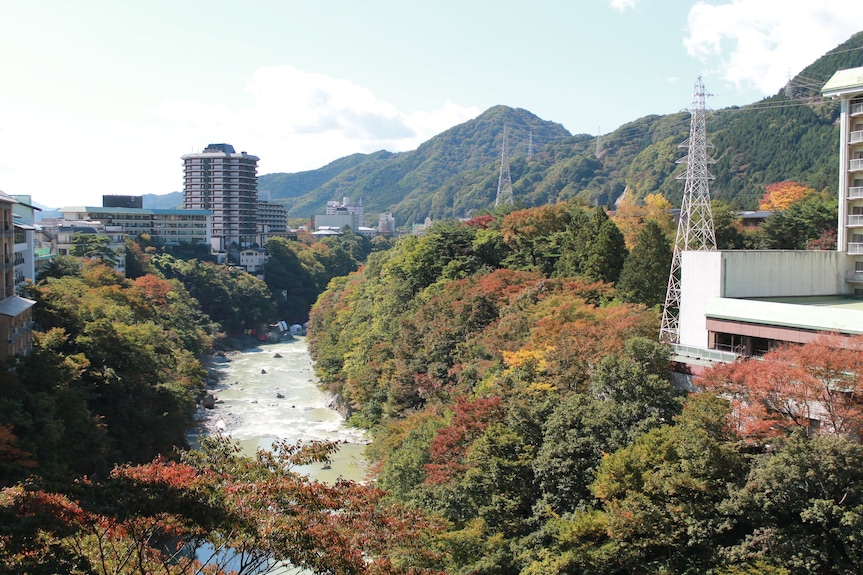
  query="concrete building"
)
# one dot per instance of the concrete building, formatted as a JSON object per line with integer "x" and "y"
{"x": 272, "y": 219}
{"x": 252, "y": 260}
{"x": 170, "y": 227}
{"x": 386, "y": 224}
{"x": 16, "y": 320}
{"x": 64, "y": 239}
{"x": 224, "y": 182}
{"x": 341, "y": 214}
{"x": 743, "y": 303}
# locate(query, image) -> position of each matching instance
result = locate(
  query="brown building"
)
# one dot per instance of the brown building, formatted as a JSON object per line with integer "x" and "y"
{"x": 15, "y": 312}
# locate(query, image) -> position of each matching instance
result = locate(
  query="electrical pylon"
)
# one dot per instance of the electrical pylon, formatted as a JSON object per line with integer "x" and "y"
{"x": 504, "y": 181}
{"x": 695, "y": 228}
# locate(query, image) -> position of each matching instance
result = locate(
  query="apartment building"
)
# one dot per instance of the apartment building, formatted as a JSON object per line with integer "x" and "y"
{"x": 225, "y": 183}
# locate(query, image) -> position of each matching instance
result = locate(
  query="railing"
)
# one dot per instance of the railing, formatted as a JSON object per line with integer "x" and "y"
{"x": 854, "y": 276}
{"x": 855, "y": 192}
{"x": 855, "y": 137}
{"x": 856, "y": 165}
{"x": 692, "y": 352}
{"x": 856, "y": 109}
{"x": 855, "y": 248}
{"x": 855, "y": 220}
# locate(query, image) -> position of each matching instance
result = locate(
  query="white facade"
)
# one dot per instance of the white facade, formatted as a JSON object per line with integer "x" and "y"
{"x": 753, "y": 275}
{"x": 171, "y": 227}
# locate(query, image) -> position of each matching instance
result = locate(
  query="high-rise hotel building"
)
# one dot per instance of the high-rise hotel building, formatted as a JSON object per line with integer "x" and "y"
{"x": 224, "y": 182}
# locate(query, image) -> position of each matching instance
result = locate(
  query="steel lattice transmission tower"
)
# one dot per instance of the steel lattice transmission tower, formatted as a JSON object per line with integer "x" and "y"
{"x": 504, "y": 181}
{"x": 695, "y": 228}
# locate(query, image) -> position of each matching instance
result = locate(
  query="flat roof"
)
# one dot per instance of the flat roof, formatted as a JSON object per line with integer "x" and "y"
{"x": 140, "y": 211}
{"x": 844, "y": 82}
{"x": 828, "y": 313}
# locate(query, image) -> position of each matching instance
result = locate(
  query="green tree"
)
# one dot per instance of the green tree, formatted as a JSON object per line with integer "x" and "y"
{"x": 802, "y": 507}
{"x": 644, "y": 277}
{"x": 804, "y": 220}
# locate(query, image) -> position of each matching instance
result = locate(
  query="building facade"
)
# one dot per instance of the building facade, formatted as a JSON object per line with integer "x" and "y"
{"x": 272, "y": 219}
{"x": 847, "y": 86}
{"x": 341, "y": 214}
{"x": 16, "y": 323}
{"x": 224, "y": 182}
{"x": 170, "y": 227}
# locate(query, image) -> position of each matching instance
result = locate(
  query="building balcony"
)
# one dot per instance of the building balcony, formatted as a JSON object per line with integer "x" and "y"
{"x": 856, "y": 109}
{"x": 855, "y": 192}
{"x": 854, "y": 277}
{"x": 855, "y": 137}
{"x": 855, "y": 165}
{"x": 854, "y": 248}
{"x": 855, "y": 220}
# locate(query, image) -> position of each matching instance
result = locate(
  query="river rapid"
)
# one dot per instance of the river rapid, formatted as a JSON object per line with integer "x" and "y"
{"x": 268, "y": 393}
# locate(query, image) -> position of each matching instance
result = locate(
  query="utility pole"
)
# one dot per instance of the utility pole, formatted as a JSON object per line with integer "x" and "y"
{"x": 504, "y": 182}
{"x": 695, "y": 228}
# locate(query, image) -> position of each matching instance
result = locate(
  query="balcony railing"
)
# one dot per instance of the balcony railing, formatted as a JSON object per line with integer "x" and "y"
{"x": 855, "y": 192}
{"x": 855, "y": 137}
{"x": 700, "y": 353}
{"x": 856, "y": 165}
{"x": 854, "y": 276}
{"x": 855, "y": 220}
{"x": 856, "y": 109}
{"x": 855, "y": 248}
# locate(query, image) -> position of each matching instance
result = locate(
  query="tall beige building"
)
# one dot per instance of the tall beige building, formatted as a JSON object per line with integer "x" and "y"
{"x": 225, "y": 182}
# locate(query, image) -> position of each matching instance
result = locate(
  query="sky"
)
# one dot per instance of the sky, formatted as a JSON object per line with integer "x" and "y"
{"x": 105, "y": 96}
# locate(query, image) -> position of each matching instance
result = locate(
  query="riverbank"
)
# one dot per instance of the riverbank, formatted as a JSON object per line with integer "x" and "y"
{"x": 268, "y": 392}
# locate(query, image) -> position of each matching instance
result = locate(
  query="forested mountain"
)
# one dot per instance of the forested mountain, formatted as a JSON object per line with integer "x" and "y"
{"x": 789, "y": 136}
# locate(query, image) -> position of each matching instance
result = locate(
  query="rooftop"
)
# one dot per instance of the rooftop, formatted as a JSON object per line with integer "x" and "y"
{"x": 844, "y": 81}
{"x": 828, "y": 313}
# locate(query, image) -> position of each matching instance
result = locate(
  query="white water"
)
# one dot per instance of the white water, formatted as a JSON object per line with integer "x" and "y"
{"x": 249, "y": 408}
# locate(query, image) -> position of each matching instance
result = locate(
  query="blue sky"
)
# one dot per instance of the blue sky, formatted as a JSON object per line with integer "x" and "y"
{"x": 104, "y": 96}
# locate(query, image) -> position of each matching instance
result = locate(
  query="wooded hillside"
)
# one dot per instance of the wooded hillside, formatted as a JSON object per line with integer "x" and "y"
{"x": 788, "y": 136}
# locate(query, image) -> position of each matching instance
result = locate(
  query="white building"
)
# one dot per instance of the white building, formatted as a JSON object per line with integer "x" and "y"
{"x": 341, "y": 214}
{"x": 170, "y": 227}
{"x": 743, "y": 303}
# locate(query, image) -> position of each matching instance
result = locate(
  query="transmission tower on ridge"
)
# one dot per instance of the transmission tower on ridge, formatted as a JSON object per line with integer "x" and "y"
{"x": 530, "y": 146}
{"x": 504, "y": 182}
{"x": 695, "y": 228}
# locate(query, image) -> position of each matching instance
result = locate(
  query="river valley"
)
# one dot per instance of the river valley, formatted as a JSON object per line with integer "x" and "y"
{"x": 269, "y": 392}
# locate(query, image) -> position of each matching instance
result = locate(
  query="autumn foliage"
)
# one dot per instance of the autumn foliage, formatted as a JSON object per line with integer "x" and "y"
{"x": 214, "y": 512}
{"x": 816, "y": 387}
{"x": 780, "y": 195}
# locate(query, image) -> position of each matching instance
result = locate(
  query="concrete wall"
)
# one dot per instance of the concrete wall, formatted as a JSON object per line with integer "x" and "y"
{"x": 753, "y": 274}
{"x": 700, "y": 281}
{"x": 780, "y": 273}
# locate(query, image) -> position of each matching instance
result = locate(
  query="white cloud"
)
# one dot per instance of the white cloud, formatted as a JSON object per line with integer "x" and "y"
{"x": 758, "y": 43}
{"x": 623, "y": 5}
{"x": 291, "y": 119}
{"x": 298, "y": 120}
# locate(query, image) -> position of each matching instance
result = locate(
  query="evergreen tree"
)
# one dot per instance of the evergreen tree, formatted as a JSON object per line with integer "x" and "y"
{"x": 644, "y": 277}
{"x": 605, "y": 255}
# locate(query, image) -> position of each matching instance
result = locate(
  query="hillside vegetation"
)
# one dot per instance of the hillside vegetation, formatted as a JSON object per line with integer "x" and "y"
{"x": 789, "y": 136}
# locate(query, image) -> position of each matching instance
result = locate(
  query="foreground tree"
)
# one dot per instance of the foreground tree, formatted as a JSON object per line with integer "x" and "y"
{"x": 215, "y": 512}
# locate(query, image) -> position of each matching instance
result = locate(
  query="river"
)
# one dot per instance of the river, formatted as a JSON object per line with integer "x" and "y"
{"x": 270, "y": 392}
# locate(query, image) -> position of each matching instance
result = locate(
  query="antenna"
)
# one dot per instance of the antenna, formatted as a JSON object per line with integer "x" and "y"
{"x": 695, "y": 228}
{"x": 504, "y": 182}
